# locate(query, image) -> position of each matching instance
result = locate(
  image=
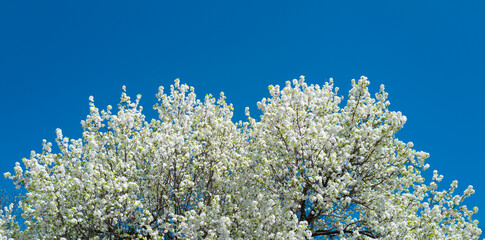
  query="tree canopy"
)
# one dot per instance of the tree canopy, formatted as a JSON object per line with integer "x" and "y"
{"x": 309, "y": 168}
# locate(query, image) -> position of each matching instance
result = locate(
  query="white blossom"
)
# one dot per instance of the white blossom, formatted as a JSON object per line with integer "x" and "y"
{"x": 308, "y": 168}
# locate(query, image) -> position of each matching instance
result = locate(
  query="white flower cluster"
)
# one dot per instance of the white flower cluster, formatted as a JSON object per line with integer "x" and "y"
{"x": 309, "y": 168}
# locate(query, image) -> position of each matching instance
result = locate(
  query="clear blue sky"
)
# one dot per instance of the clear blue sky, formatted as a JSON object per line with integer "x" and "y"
{"x": 429, "y": 54}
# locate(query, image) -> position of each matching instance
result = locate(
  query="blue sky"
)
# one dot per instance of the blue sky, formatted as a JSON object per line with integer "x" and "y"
{"x": 429, "y": 54}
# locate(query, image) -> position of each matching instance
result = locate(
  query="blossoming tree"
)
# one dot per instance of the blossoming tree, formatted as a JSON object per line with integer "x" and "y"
{"x": 308, "y": 169}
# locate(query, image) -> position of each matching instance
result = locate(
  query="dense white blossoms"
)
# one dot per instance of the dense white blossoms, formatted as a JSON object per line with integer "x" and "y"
{"x": 308, "y": 169}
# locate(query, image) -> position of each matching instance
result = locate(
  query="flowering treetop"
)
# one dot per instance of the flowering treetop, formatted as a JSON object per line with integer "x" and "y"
{"x": 310, "y": 168}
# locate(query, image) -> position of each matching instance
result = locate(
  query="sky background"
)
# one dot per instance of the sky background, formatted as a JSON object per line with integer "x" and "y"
{"x": 429, "y": 55}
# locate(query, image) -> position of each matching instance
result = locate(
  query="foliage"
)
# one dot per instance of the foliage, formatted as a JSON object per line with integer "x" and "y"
{"x": 309, "y": 168}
